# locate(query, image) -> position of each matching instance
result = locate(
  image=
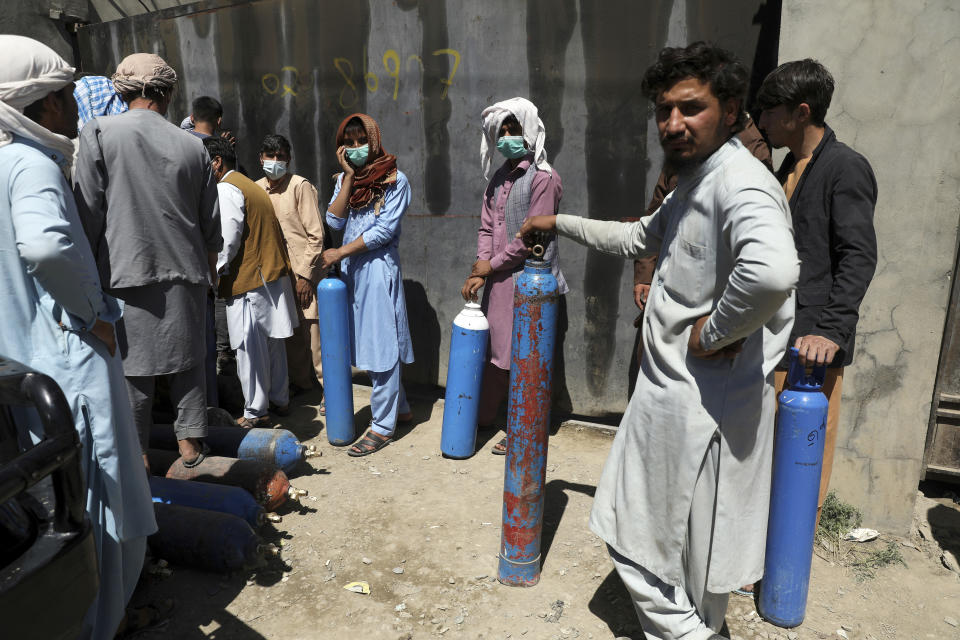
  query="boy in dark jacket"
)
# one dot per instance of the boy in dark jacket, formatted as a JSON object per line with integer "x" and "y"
{"x": 832, "y": 193}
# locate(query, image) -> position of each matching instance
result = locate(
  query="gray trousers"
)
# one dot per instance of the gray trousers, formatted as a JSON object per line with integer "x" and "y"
{"x": 187, "y": 393}
{"x": 688, "y": 612}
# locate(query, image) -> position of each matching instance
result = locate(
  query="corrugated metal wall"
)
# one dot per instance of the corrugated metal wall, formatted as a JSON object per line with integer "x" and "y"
{"x": 425, "y": 70}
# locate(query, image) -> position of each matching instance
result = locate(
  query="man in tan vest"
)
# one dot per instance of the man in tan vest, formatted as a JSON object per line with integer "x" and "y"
{"x": 255, "y": 282}
{"x": 298, "y": 211}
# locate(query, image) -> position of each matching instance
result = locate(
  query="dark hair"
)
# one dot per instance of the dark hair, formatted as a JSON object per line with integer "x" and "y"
{"x": 354, "y": 127}
{"x": 217, "y": 146}
{"x": 511, "y": 120}
{"x": 708, "y": 63}
{"x": 793, "y": 83}
{"x": 275, "y": 143}
{"x": 35, "y": 109}
{"x": 150, "y": 93}
{"x": 206, "y": 109}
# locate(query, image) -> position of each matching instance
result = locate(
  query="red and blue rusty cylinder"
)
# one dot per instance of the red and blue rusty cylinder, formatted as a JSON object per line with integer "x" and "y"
{"x": 794, "y": 494}
{"x": 333, "y": 304}
{"x": 278, "y": 447}
{"x": 207, "y": 540}
{"x": 468, "y": 352}
{"x": 212, "y": 497}
{"x": 535, "y": 308}
{"x": 268, "y": 485}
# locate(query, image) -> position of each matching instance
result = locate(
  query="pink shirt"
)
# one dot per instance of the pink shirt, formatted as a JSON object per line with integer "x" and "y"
{"x": 506, "y": 255}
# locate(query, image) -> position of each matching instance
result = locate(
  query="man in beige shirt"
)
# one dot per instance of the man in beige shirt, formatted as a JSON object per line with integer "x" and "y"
{"x": 296, "y": 205}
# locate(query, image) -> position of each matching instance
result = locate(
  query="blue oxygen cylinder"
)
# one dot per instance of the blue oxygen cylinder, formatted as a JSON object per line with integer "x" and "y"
{"x": 206, "y": 540}
{"x": 278, "y": 447}
{"x": 535, "y": 308}
{"x": 794, "y": 493}
{"x": 335, "y": 345}
{"x": 468, "y": 352}
{"x": 203, "y": 495}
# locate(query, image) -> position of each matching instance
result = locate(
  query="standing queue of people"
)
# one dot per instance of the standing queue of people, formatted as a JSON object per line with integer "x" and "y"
{"x": 718, "y": 312}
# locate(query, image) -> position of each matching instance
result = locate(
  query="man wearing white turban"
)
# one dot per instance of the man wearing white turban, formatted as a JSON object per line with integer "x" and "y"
{"x": 525, "y": 185}
{"x": 57, "y": 319}
{"x": 148, "y": 200}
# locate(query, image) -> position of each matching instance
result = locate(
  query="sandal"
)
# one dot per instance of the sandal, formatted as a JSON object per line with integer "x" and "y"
{"x": 323, "y": 406}
{"x": 204, "y": 452}
{"x": 500, "y": 449}
{"x": 746, "y": 591}
{"x": 140, "y": 619}
{"x": 369, "y": 443}
{"x": 262, "y": 422}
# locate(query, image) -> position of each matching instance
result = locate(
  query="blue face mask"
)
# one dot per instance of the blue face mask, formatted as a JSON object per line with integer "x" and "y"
{"x": 511, "y": 147}
{"x": 358, "y": 155}
{"x": 274, "y": 169}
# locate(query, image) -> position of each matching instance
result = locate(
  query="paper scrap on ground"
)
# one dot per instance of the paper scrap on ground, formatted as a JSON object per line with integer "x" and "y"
{"x": 861, "y": 535}
{"x": 358, "y": 587}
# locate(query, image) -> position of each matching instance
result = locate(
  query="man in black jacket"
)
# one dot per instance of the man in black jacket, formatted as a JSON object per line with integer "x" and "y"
{"x": 832, "y": 193}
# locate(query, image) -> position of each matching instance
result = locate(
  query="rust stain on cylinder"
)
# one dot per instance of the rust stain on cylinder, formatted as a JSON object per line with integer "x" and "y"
{"x": 268, "y": 485}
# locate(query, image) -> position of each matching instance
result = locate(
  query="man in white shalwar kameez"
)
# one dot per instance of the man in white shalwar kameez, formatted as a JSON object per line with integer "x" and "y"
{"x": 684, "y": 494}
{"x": 255, "y": 282}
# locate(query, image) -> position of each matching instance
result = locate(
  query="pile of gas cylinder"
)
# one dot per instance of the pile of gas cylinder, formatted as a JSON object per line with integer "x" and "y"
{"x": 208, "y": 515}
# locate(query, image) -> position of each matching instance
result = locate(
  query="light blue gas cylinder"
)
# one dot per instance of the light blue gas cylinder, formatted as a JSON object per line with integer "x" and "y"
{"x": 794, "y": 493}
{"x": 468, "y": 353}
{"x": 334, "y": 324}
{"x": 535, "y": 307}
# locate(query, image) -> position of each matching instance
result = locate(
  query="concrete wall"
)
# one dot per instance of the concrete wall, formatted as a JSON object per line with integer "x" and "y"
{"x": 898, "y": 88}
{"x": 45, "y": 20}
{"x": 425, "y": 70}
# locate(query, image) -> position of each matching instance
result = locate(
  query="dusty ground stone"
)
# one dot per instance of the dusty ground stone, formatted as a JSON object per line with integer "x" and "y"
{"x": 447, "y": 527}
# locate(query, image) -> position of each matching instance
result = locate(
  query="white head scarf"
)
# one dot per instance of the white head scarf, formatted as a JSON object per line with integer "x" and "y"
{"x": 534, "y": 133}
{"x": 29, "y": 70}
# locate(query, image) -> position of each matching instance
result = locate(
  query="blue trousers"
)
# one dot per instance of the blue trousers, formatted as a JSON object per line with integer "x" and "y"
{"x": 387, "y": 400}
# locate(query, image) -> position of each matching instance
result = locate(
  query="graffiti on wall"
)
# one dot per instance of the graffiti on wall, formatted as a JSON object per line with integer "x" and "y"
{"x": 289, "y": 80}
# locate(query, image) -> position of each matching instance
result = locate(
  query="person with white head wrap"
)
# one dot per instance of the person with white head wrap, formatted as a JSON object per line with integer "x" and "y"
{"x": 57, "y": 319}
{"x": 29, "y": 71}
{"x": 155, "y": 233}
{"x": 534, "y": 133}
{"x": 525, "y": 185}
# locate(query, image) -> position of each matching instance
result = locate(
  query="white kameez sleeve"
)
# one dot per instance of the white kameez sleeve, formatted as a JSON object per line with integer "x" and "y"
{"x": 231, "y": 223}
{"x": 623, "y": 239}
{"x": 765, "y": 271}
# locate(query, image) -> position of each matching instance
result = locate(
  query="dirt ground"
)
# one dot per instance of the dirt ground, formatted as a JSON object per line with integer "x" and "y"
{"x": 424, "y": 532}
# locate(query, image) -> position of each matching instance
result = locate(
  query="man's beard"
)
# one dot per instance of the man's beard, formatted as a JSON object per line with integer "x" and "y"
{"x": 675, "y": 161}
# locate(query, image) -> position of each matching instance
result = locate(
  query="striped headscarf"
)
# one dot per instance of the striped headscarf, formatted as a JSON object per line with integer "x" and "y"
{"x": 371, "y": 181}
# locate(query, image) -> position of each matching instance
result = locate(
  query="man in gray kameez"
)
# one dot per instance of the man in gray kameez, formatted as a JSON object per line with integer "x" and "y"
{"x": 683, "y": 498}
{"x": 148, "y": 199}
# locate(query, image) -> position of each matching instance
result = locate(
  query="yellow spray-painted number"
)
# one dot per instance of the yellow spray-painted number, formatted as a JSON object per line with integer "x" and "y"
{"x": 296, "y": 80}
{"x": 270, "y": 82}
{"x": 288, "y": 81}
{"x": 342, "y": 64}
{"x": 456, "y": 64}
{"x": 393, "y": 56}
